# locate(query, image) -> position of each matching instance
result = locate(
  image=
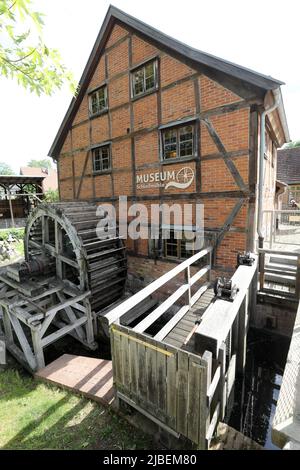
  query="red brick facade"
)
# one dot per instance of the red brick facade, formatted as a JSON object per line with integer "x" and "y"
{"x": 132, "y": 127}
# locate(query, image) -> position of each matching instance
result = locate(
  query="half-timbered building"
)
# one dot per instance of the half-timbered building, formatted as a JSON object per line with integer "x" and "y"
{"x": 150, "y": 110}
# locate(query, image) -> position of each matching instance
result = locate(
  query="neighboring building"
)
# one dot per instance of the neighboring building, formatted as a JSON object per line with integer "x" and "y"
{"x": 50, "y": 180}
{"x": 18, "y": 195}
{"x": 288, "y": 172}
{"x": 148, "y": 105}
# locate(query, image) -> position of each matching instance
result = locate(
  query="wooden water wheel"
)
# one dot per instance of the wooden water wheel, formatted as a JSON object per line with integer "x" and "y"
{"x": 91, "y": 257}
{"x": 73, "y": 268}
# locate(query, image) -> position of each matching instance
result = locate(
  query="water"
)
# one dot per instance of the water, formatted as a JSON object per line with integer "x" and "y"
{"x": 256, "y": 394}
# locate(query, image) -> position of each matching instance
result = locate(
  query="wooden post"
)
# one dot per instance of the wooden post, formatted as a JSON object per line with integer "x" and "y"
{"x": 210, "y": 258}
{"x": 242, "y": 338}
{"x": 207, "y": 357}
{"x": 272, "y": 229}
{"x": 261, "y": 270}
{"x": 11, "y": 209}
{"x": 188, "y": 281}
{"x": 222, "y": 382}
{"x": 7, "y": 326}
{"x": 297, "y": 287}
{"x": 38, "y": 348}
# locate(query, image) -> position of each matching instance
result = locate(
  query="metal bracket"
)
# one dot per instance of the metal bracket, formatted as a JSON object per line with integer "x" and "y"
{"x": 224, "y": 289}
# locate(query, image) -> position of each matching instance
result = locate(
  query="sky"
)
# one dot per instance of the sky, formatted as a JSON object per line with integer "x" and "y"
{"x": 259, "y": 34}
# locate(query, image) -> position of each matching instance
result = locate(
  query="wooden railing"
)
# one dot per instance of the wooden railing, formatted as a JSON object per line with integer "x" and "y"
{"x": 264, "y": 268}
{"x": 221, "y": 339}
{"x": 185, "y": 290}
{"x": 281, "y": 227}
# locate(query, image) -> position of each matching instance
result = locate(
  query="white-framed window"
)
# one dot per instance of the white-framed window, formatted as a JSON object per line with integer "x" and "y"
{"x": 179, "y": 141}
{"x": 101, "y": 159}
{"x": 144, "y": 79}
{"x": 98, "y": 100}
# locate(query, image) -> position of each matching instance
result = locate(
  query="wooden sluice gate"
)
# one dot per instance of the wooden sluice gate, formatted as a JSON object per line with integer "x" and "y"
{"x": 179, "y": 370}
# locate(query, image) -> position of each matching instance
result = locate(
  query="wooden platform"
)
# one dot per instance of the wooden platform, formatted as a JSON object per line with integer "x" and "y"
{"x": 88, "y": 376}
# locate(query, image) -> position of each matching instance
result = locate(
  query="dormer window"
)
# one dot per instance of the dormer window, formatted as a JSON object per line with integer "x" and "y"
{"x": 98, "y": 101}
{"x": 144, "y": 79}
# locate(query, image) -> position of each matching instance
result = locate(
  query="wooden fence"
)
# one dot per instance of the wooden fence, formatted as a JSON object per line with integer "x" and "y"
{"x": 165, "y": 383}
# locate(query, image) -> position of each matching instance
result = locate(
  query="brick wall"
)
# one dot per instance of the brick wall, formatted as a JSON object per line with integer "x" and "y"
{"x": 132, "y": 128}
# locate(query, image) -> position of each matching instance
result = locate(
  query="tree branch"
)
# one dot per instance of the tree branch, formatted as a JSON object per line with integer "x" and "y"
{"x": 11, "y": 6}
{"x": 21, "y": 58}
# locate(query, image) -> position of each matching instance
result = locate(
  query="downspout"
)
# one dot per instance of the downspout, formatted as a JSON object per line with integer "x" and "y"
{"x": 263, "y": 115}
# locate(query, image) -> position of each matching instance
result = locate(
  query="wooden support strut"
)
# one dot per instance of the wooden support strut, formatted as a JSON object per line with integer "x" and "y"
{"x": 229, "y": 163}
{"x": 230, "y": 220}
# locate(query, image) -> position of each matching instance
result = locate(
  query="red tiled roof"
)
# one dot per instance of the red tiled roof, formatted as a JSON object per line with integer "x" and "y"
{"x": 50, "y": 176}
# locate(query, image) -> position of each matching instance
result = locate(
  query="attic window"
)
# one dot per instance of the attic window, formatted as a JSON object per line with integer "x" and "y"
{"x": 98, "y": 101}
{"x": 144, "y": 79}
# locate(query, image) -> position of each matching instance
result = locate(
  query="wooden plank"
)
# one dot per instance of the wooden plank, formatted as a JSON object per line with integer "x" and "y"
{"x": 152, "y": 378}
{"x": 124, "y": 347}
{"x": 230, "y": 377}
{"x": 71, "y": 315}
{"x": 133, "y": 361}
{"x": 148, "y": 415}
{"x": 38, "y": 348}
{"x": 182, "y": 393}
{"x": 171, "y": 393}
{"x": 29, "y": 356}
{"x": 172, "y": 323}
{"x": 213, "y": 386}
{"x": 213, "y": 423}
{"x": 142, "y": 376}
{"x": 117, "y": 355}
{"x": 196, "y": 277}
{"x": 242, "y": 338}
{"x": 161, "y": 364}
{"x": 222, "y": 382}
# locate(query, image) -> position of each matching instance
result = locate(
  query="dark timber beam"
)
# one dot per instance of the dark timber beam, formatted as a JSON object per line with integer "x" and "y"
{"x": 229, "y": 163}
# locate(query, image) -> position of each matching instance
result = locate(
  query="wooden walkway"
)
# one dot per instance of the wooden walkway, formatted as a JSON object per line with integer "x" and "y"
{"x": 181, "y": 331}
{"x": 88, "y": 376}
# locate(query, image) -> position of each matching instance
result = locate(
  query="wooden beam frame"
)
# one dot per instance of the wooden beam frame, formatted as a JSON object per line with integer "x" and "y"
{"x": 24, "y": 312}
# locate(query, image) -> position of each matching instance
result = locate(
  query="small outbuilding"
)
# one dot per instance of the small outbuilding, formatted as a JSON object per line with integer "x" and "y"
{"x": 18, "y": 194}
{"x": 288, "y": 171}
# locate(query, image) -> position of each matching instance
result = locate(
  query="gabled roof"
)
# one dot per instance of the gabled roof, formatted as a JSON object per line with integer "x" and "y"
{"x": 288, "y": 165}
{"x": 249, "y": 82}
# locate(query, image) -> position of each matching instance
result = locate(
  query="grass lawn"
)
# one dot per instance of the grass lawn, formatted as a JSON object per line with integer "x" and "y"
{"x": 37, "y": 416}
{"x": 18, "y": 246}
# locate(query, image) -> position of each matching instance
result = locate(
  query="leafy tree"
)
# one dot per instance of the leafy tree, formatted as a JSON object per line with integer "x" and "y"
{"x": 52, "y": 195}
{"x": 5, "y": 169}
{"x": 23, "y": 52}
{"x": 44, "y": 163}
{"x": 291, "y": 145}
